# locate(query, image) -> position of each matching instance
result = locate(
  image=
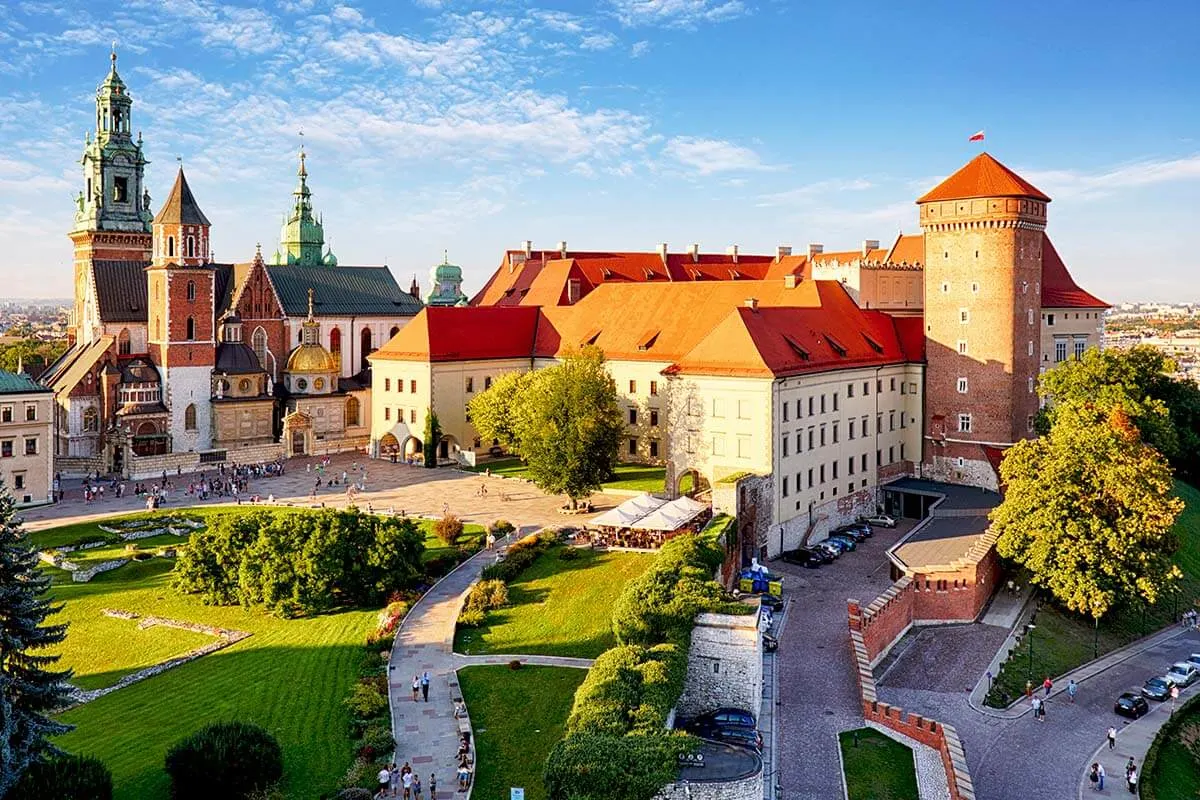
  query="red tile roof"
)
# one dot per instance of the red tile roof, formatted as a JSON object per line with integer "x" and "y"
{"x": 907, "y": 250}
{"x": 983, "y": 176}
{"x": 1059, "y": 289}
{"x": 464, "y": 334}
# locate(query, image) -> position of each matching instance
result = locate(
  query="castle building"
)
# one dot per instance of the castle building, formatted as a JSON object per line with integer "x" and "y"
{"x": 177, "y": 360}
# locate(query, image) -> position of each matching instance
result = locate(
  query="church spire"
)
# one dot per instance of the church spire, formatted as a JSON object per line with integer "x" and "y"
{"x": 302, "y": 240}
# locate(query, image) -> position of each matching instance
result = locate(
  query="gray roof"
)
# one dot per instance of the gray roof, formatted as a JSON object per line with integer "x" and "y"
{"x": 121, "y": 290}
{"x": 236, "y": 358}
{"x": 340, "y": 291}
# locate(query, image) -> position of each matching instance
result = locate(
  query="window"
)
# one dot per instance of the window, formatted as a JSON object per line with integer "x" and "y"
{"x": 964, "y": 423}
{"x": 654, "y": 388}
{"x": 412, "y": 416}
{"x": 785, "y": 411}
{"x": 879, "y": 423}
{"x": 822, "y": 436}
{"x": 962, "y": 385}
{"x": 891, "y": 420}
{"x": 799, "y": 442}
{"x": 892, "y": 385}
{"x": 6, "y": 449}
{"x": 191, "y": 247}
{"x": 810, "y": 406}
{"x": 1060, "y": 350}
{"x": 123, "y": 344}
{"x": 784, "y": 445}
{"x": 799, "y": 412}
{"x": 31, "y": 413}
{"x": 834, "y": 466}
{"x": 962, "y": 347}
{"x": 170, "y": 247}
{"x": 191, "y": 329}
{"x": 822, "y": 404}
{"x": 352, "y": 411}
{"x": 91, "y": 420}
{"x": 866, "y": 426}
{"x": 743, "y": 409}
{"x": 822, "y": 468}
{"x": 633, "y": 387}
{"x": 718, "y": 444}
{"x": 633, "y": 416}
{"x": 851, "y": 433}
{"x": 810, "y": 477}
{"x": 850, "y": 465}
{"x": 878, "y": 385}
{"x": 120, "y": 190}
{"x": 1029, "y": 348}
{"x": 903, "y": 388}
{"x": 189, "y": 417}
{"x": 902, "y": 451}
{"x": 964, "y": 315}
{"x": 835, "y": 433}
{"x": 849, "y": 390}
{"x": 387, "y": 413}
{"x": 412, "y": 386}
{"x": 810, "y": 437}
{"x": 975, "y": 287}
{"x": 487, "y": 383}
{"x": 866, "y": 388}
{"x": 654, "y": 448}
{"x": 835, "y": 401}
{"x": 653, "y": 418}
{"x": 18, "y": 480}
{"x": 387, "y": 384}
{"x": 31, "y": 446}
{"x": 946, "y": 286}
{"x": 1050, "y": 319}
{"x": 394, "y": 330}
{"x": 785, "y": 486}
{"x": 335, "y": 342}
{"x": 1029, "y": 423}
{"x": 470, "y": 384}
{"x": 743, "y": 447}
{"x": 864, "y": 462}
{"x": 1031, "y": 385}
{"x": 1029, "y": 312}
{"x": 879, "y": 457}
{"x": 633, "y": 446}
{"x": 891, "y": 455}
{"x": 1080, "y": 346}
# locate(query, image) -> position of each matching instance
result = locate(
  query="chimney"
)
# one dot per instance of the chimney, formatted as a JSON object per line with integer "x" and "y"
{"x": 751, "y": 303}
{"x": 869, "y": 245}
{"x": 415, "y": 288}
{"x": 562, "y": 249}
{"x": 814, "y": 249}
{"x": 662, "y": 252}
{"x": 782, "y": 252}
{"x": 732, "y": 251}
{"x": 527, "y": 246}
{"x": 694, "y": 252}
{"x": 791, "y": 280}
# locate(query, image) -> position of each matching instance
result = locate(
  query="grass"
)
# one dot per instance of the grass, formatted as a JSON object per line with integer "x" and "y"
{"x": 1176, "y": 772}
{"x": 1063, "y": 640}
{"x": 879, "y": 768}
{"x": 518, "y": 715}
{"x": 627, "y": 477}
{"x": 557, "y": 607}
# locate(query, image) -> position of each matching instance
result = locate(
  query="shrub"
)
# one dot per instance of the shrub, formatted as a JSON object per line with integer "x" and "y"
{"x": 354, "y": 794}
{"x": 142, "y": 556}
{"x": 361, "y": 775}
{"x": 365, "y": 701}
{"x": 486, "y": 595}
{"x": 502, "y": 527}
{"x": 471, "y": 618}
{"x": 225, "y": 759}
{"x": 441, "y": 564}
{"x": 449, "y": 529}
{"x": 65, "y": 777}
{"x": 596, "y": 765}
{"x": 515, "y": 664}
{"x": 569, "y": 554}
{"x": 519, "y": 556}
{"x": 378, "y": 738}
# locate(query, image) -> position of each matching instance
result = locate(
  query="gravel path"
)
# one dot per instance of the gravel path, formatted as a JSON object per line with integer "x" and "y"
{"x": 932, "y": 783}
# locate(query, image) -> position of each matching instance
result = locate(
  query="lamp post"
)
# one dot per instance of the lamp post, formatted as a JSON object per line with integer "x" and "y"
{"x": 1096, "y": 639}
{"x": 1029, "y": 629}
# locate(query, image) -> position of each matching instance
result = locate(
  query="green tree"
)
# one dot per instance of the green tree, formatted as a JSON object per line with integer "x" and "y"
{"x": 225, "y": 759}
{"x": 1088, "y": 510}
{"x": 29, "y": 690}
{"x": 493, "y": 411}
{"x": 568, "y": 425}
{"x": 64, "y": 777}
{"x": 27, "y": 353}
{"x": 433, "y": 437}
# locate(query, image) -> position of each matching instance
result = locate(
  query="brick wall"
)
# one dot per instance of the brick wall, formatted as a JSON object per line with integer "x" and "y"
{"x": 886, "y": 619}
{"x": 956, "y": 595}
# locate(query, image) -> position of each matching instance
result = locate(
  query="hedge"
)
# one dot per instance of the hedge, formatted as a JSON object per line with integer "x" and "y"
{"x": 519, "y": 556}
{"x": 1149, "y": 782}
{"x": 64, "y": 777}
{"x": 226, "y": 759}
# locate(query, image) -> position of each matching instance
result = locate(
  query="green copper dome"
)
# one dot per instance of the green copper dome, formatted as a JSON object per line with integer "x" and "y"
{"x": 302, "y": 238}
{"x": 445, "y": 281}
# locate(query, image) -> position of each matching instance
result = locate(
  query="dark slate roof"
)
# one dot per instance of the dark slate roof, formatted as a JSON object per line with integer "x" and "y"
{"x": 121, "y": 290}
{"x": 236, "y": 358}
{"x": 181, "y": 207}
{"x": 341, "y": 291}
{"x": 139, "y": 370}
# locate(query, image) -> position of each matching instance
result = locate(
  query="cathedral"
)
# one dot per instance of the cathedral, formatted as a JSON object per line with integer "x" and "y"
{"x": 176, "y": 360}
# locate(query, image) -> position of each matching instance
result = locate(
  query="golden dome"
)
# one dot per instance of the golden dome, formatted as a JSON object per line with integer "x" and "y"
{"x": 311, "y": 358}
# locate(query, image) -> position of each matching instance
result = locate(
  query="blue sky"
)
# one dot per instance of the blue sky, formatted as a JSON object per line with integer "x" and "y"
{"x": 471, "y": 126}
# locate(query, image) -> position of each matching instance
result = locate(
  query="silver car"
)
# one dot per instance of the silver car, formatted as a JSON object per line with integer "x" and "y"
{"x": 1183, "y": 674}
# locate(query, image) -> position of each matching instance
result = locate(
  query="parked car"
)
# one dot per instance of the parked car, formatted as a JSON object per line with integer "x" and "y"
{"x": 805, "y": 557}
{"x": 837, "y": 545}
{"x": 849, "y": 541}
{"x": 854, "y": 533}
{"x": 724, "y": 716}
{"x": 830, "y": 548}
{"x": 1183, "y": 674}
{"x": 1194, "y": 658}
{"x": 1157, "y": 688}
{"x": 1131, "y": 705}
{"x": 742, "y": 737}
{"x": 862, "y": 527}
{"x": 882, "y": 520}
{"x": 731, "y": 725}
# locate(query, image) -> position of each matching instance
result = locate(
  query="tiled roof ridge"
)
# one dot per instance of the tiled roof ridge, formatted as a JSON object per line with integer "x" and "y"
{"x": 983, "y": 176}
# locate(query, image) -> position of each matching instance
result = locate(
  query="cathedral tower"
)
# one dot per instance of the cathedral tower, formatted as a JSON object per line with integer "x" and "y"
{"x": 181, "y": 285}
{"x": 112, "y": 210}
{"x": 302, "y": 239}
{"x": 983, "y": 264}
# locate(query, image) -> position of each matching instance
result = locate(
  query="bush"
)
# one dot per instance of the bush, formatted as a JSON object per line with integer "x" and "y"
{"x": 471, "y": 618}
{"x": 519, "y": 556}
{"x": 361, "y": 775}
{"x": 378, "y": 739}
{"x": 354, "y": 794}
{"x": 449, "y": 529}
{"x": 225, "y": 759}
{"x": 365, "y": 701}
{"x": 441, "y": 564}
{"x": 597, "y": 765}
{"x": 515, "y": 664}
{"x": 142, "y": 556}
{"x": 502, "y": 527}
{"x": 64, "y": 777}
{"x": 568, "y": 554}
{"x": 486, "y": 595}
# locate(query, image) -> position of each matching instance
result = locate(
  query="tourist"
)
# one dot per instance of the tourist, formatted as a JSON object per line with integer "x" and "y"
{"x": 1131, "y": 780}
{"x": 1029, "y": 689}
{"x": 1039, "y": 706}
{"x": 432, "y": 786}
{"x": 416, "y": 687}
{"x": 1100, "y": 775}
{"x": 416, "y": 786}
{"x": 1094, "y": 774}
{"x": 464, "y": 776}
{"x": 425, "y": 685}
{"x": 406, "y": 780}
{"x": 385, "y": 780}
{"x": 460, "y": 709}
{"x": 1112, "y": 737}
{"x": 1047, "y": 685}
{"x": 1072, "y": 688}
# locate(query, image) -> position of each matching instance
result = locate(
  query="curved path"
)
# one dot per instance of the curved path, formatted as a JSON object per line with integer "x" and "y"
{"x": 427, "y": 733}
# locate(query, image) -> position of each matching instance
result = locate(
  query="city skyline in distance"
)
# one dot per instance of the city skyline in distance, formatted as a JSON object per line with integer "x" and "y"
{"x": 440, "y": 127}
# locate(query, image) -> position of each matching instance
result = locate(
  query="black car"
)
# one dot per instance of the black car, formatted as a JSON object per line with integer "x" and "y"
{"x": 742, "y": 737}
{"x": 1131, "y": 705}
{"x": 862, "y": 527}
{"x": 1157, "y": 689}
{"x": 806, "y": 558}
{"x": 725, "y": 716}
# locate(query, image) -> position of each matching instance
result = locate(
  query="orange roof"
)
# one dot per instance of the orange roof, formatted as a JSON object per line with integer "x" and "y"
{"x": 463, "y": 333}
{"x": 1059, "y": 289}
{"x": 907, "y": 250}
{"x": 983, "y": 176}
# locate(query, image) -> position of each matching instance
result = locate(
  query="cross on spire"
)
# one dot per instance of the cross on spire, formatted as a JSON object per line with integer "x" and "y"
{"x": 310, "y": 302}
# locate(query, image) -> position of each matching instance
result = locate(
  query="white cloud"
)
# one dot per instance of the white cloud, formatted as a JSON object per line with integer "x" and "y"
{"x": 597, "y": 41}
{"x": 675, "y": 13}
{"x": 709, "y": 156}
{"x": 813, "y": 192}
{"x": 639, "y": 49}
{"x": 1082, "y": 185}
{"x": 347, "y": 15}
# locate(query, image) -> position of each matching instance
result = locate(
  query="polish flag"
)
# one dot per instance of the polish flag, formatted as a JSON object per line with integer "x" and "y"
{"x": 976, "y": 137}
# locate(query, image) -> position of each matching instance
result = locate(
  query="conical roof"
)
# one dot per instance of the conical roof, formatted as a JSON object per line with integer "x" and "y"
{"x": 983, "y": 176}
{"x": 180, "y": 207}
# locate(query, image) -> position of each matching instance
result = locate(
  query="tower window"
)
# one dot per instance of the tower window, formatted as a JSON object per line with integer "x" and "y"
{"x": 962, "y": 385}
{"x": 191, "y": 328}
{"x": 170, "y": 247}
{"x": 964, "y": 315}
{"x": 189, "y": 417}
{"x": 945, "y": 288}
{"x": 120, "y": 190}
{"x": 964, "y": 423}
{"x": 975, "y": 288}
{"x": 191, "y": 285}
{"x": 191, "y": 249}
{"x": 962, "y": 347}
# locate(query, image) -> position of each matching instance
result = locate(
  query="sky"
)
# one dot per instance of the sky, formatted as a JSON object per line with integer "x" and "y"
{"x": 437, "y": 126}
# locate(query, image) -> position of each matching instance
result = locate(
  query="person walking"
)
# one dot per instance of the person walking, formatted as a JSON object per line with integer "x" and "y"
{"x": 1029, "y": 689}
{"x": 416, "y": 687}
{"x": 1037, "y": 709}
{"x": 1094, "y": 774}
{"x": 1131, "y": 781}
{"x": 1112, "y": 737}
{"x": 1174, "y": 696}
{"x": 432, "y": 786}
{"x": 1072, "y": 688}
{"x": 385, "y": 780}
{"x": 1047, "y": 685}
{"x": 425, "y": 685}
{"x": 416, "y": 786}
{"x": 407, "y": 782}
{"x": 1100, "y": 775}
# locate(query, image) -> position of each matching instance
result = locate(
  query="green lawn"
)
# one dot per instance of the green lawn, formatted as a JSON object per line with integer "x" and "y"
{"x": 879, "y": 768}
{"x": 1063, "y": 640}
{"x": 629, "y": 477}
{"x": 518, "y": 716}
{"x": 1176, "y": 772}
{"x": 557, "y": 607}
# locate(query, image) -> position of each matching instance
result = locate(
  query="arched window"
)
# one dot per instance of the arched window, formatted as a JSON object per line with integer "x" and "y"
{"x": 170, "y": 247}
{"x": 365, "y": 337}
{"x": 191, "y": 289}
{"x": 191, "y": 247}
{"x": 189, "y": 417}
{"x": 258, "y": 341}
{"x": 352, "y": 411}
{"x": 91, "y": 420}
{"x": 191, "y": 328}
{"x": 395, "y": 330}
{"x": 335, "y": 342}
{"x": 123, "y": 346}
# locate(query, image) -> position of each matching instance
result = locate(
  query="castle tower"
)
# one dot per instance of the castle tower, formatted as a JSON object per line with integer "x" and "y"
{"x": 112, "y": 209}
{"x": 445, "y": 284}
{"x": 302, "y": 239}
{"x": 181, "y": 316}
{"x": 983, "y": 263}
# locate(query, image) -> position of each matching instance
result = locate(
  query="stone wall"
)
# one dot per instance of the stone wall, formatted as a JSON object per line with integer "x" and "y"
{"x": 724, "y": 665}
{"x": 78, "y": 466}
{"x": 750, "y": 788}
{"x": 150, "y": 467}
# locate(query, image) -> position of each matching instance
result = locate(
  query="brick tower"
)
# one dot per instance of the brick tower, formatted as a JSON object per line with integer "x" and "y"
{"x": 112, "y": 211}
{"x": 181, "y": 284}
{"x": 983, "y": 264}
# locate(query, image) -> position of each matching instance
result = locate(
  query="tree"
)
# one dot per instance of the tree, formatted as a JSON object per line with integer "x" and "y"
{"x": 567, "y": 425}
{"x": 1088, "y": 510}
{"x": 29, "y": 689}
{"x": 225, "y": 759}
{"x": 493, "y": 412}
{"x": 65, "y": 778}
{"x": 433, "y": 437}
{"x": 449, "y": 529}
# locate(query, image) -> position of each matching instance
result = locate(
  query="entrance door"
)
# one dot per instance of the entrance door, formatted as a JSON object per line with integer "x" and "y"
{"x": 118, "y": 459}
{"x": 444, "y": 449}
{"x": 297, "y": 443}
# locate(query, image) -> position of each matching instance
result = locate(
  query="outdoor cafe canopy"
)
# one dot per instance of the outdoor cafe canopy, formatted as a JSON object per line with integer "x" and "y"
{"x": 650, "y": 513}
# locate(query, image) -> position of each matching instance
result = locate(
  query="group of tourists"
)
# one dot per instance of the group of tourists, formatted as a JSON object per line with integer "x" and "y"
{"x": 393, "y": 781}
{"x": 1096, "y": 773}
